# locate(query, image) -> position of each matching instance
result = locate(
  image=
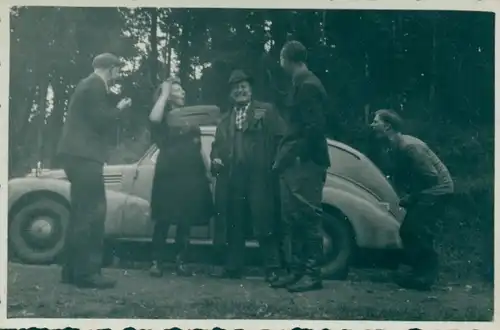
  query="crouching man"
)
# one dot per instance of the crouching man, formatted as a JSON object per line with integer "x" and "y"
{"x": 427, "y": 185}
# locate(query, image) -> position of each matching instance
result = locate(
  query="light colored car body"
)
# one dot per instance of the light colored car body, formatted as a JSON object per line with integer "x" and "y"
{"x": 354, "y": 186}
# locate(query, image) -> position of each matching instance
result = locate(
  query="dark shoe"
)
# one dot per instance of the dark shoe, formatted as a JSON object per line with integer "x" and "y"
{"x": 181, "y": 270}
{"x": 413, "y": 282}
{"x": 306, "y": 283}
{"x": 271, "y": 276}
{"x": 95, "y": 282}
{"x": 285, "y": 281}
{"x": 156, "y": 270}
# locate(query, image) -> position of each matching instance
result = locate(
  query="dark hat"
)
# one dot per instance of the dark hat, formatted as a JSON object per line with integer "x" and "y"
{"x": 238, "y": 76}
{"x": 106, "y": 61}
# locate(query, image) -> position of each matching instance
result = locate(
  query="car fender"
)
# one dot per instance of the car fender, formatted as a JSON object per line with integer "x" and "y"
{"x": 374, "y": 227}
{"x": 136, "y": 221}
{"x": 21, "y": 187}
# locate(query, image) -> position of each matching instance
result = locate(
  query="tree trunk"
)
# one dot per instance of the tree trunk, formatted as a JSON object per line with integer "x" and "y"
{"x": 55, "y": 121}
{"x": 42, "y": 107}
{"x": 168, "y": 55}
{"x": 279, "y": 30}
{"x": 18, "y": 122}
{"x": 433, "y": 75}
{"x": 367, "y": 81}
{"x": 153, "y": 40}
{"x": 184, "y": 56}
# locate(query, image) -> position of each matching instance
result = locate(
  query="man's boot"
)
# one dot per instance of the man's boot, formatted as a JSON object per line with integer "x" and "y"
{"x": 156, "y": 269}
{"x": 306, "y": 283}
{"x": 285, "y": 281}
{"x": 272, "y": 275}
{"x": 95, "y": 282}
{"x": 413, "y": 282}
{"x": 416, "y": 279}
{"x": 309, "y": 282}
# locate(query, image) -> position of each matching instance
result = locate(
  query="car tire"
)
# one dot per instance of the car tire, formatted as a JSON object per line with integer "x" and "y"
{"x": 338, "y": 247}
{"x": 37, "y": 231}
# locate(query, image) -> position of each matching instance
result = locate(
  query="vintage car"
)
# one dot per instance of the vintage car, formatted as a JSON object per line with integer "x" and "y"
{"x": 361, "y": 208}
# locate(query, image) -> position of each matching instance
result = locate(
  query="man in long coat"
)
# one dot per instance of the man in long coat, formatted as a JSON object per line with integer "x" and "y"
{"x": 242, "y": 156}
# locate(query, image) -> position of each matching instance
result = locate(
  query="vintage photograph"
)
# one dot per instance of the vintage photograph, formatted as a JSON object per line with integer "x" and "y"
{"x": 228, "y": 163}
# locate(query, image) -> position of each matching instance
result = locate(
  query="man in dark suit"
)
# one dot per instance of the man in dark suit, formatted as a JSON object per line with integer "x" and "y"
{"x": 83, "y": 152}
{"x": 301, "y": 161}
{"x": 242, "y": 156}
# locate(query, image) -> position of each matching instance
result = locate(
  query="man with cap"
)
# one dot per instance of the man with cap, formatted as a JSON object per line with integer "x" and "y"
{"x": 242, "y": 157}
{"x": 301, "y": 162}
{"x": 83, "y": 152}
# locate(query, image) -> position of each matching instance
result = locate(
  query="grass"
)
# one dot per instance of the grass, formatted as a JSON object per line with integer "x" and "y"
{"x": 34, "y": 291}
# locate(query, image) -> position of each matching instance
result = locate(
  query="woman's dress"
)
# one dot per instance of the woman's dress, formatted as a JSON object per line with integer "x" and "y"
{"x": 181, "y": 188}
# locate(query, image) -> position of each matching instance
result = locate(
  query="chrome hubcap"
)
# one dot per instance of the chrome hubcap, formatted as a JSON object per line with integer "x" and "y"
{"x": 41, "y": 228}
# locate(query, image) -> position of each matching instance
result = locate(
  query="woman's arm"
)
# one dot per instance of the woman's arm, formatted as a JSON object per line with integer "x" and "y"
{"x": 157, "y": 113}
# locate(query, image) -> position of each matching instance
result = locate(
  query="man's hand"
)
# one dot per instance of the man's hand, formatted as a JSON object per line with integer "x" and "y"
{"x": 405, "y": 201}
{"x": 217, "y": 164}
{"x": 124, "y": 103}
{"x": 275, "y": 168}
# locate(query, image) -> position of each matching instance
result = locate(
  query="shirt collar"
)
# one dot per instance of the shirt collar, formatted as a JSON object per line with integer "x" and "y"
{"x": 104, "y": 81}
{"x": 242, "y": 108}
{"x": 300, "y": 76}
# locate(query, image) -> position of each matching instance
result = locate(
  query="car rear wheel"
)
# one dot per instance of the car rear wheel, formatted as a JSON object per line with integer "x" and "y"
{"x": 338, "y": 247}
{"x": 36, "y": 231}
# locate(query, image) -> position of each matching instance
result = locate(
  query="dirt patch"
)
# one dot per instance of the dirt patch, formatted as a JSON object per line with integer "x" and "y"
{"x": 35, "y": 291}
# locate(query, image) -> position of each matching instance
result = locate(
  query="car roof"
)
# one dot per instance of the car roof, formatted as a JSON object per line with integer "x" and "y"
{"x": 210, "y": 130}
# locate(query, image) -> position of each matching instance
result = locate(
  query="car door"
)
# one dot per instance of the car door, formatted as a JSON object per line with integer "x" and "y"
{"x": 206, "y": 146}
{"x": 137, "y": 223}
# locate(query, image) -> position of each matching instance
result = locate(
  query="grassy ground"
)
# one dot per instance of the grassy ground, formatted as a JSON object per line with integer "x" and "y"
{"x": 34, "y": 291}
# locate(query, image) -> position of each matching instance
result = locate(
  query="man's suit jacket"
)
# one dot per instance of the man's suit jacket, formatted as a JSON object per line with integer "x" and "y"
{"x": 306, "y": 136}
{"x": 89, "y": 117}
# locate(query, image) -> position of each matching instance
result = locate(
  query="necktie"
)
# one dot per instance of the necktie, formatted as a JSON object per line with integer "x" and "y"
{"x": 240, "y": 117}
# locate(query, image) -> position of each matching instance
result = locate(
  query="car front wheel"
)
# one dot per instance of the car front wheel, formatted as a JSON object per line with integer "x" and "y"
{"x": 338, "y": 247}
{"x": 37, "y": 230}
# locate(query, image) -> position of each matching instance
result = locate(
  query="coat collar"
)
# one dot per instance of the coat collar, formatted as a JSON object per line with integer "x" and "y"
{"x": 102, "y": 80}
{"x": 300, "y": 76}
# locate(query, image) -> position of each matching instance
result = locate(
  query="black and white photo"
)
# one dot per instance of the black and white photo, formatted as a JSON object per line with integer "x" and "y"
{"x": 316, "y": 164}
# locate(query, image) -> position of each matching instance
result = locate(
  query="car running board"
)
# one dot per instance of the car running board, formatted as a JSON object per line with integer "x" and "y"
{"x": 192, "y": 241}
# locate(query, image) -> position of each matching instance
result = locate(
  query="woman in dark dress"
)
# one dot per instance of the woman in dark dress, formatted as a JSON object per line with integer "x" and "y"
{"x": 181, "y": 190}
